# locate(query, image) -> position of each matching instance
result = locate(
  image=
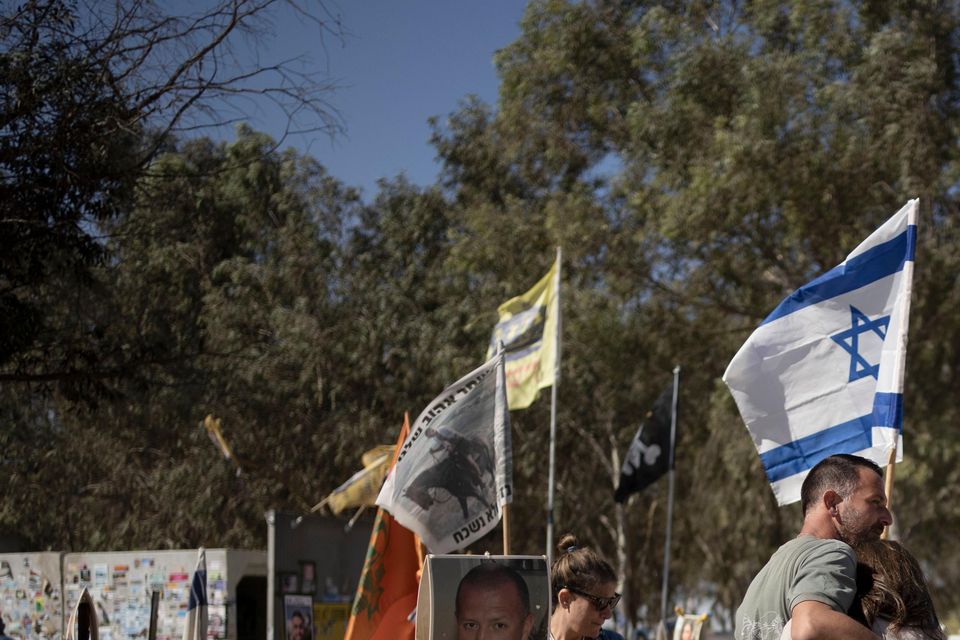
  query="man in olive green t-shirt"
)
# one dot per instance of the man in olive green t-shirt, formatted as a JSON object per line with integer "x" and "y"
{"x": 811, "y": 580}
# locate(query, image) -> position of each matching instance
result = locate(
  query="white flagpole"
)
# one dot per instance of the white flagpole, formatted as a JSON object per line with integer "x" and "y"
{"x": 553, "y": 422}
{"x": 673, "y": 449}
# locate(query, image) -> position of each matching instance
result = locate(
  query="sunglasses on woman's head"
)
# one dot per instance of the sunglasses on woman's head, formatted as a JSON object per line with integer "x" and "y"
{"x": 599, "y": 603}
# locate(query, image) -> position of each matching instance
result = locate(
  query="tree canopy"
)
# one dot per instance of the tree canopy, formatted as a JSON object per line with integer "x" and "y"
{"x": 91, "y": 94}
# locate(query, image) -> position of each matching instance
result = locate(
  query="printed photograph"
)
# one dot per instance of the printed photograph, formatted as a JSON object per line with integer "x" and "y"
{"x": 688, "y": 627}
{"x": 471, "y": 593}
{"x": 298, "y": 617}
{"x": 289, "y": 582}
{"x": 308, "y": 580}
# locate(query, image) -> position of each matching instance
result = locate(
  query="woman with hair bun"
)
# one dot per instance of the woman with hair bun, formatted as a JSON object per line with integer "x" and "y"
{"x": 583, "y": 587}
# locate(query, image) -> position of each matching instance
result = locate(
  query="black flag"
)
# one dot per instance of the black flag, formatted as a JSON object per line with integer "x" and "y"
{"x": 649, "y": 456}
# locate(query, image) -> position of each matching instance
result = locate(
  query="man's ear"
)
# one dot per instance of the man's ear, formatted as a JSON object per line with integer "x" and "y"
{"x": 831, "y": 501}
{"x": 527, "y": 626}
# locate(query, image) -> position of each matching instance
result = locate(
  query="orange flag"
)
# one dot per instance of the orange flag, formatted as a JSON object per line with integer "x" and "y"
{"x": 387, "y": 593}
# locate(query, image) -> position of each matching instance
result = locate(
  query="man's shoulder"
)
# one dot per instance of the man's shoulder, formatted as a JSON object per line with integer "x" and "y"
{"x": 785, "y": 578}
{"x": 607, "y": 634}
{"x": 808, "y": 553}
{"x": 806, "y": 544}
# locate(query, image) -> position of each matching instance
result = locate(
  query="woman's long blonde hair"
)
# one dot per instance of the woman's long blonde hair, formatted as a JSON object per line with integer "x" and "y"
{"x": 891, "y": 585}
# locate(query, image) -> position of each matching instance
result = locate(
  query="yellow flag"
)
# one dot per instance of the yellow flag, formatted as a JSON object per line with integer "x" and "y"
{"x": 375, "y": 455}
{"x": 362, "y": 488}
{"x": 528, "y": 327}
{"x": 212, "y": 425}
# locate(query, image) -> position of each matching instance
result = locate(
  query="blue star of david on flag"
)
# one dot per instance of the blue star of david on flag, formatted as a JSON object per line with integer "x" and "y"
{"x": 850, "y": 341}
{"x": 787, "y": 378}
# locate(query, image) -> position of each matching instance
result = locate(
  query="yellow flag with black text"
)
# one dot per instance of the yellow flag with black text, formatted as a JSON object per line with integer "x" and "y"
{"x": 529, "y": 329}
{"x": 362, "y": 488}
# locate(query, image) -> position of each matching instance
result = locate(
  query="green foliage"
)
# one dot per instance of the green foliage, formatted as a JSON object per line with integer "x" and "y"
{"x": 67, "y": 154}
{"x": 250, "y": 285}
{"x": 91, "y": 93}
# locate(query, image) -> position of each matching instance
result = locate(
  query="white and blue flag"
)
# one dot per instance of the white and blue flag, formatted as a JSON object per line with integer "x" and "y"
{"x": 195, "y": 626}
{"x": 823, "y": 373}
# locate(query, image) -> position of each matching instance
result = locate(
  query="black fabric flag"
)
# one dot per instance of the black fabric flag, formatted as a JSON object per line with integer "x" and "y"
{"x": 649, "y": 456}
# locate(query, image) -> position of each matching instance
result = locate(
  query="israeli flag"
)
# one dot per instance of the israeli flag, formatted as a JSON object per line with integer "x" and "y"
{"x": 823, "y": 373}
{"x": 195, "y": 626}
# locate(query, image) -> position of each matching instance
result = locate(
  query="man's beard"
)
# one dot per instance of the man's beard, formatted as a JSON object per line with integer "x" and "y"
{"x": 855, "y": 530}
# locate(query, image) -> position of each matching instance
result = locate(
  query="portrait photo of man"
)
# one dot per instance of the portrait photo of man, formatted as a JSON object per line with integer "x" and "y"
{"x": 493, "y": 603}
{"x": 483, "y": 598}
{"x": 298, "y": 617}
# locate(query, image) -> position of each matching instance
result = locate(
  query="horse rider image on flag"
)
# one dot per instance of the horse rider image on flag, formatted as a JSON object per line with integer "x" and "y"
{"x": 455, "y": 470}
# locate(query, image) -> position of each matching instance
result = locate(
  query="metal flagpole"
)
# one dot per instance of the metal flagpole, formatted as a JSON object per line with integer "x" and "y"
{"x": 154, "y": 609}
{"x": 553, "y": 422}
{"x": 503, "y": 413}
{"x": 673, "y": 448}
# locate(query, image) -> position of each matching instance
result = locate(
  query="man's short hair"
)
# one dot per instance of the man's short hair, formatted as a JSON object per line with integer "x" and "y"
{"x": 489, "y": 575}
{"x": 839, "y": 472}
{"x": 297, "y": 614}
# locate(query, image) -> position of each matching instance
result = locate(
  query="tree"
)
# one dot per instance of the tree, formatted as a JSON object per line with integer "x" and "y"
{"x": 219, "y": 280}
{"x": 257, "y": 288}
{"x": 91, "y": 94}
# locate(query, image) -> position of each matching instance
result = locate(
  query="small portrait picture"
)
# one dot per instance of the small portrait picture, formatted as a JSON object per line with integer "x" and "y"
{"x": 298, "y": 617}
{"x": 467, "y": 593}
{"x": 289, "y": 582}
{"x": 308, "y": 577}
{"x": 217, "y": 623}
{"x": 688, "y": 627}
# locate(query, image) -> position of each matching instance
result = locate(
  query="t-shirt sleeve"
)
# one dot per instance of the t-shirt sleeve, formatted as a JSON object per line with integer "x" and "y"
{"x": 826, "y": 574}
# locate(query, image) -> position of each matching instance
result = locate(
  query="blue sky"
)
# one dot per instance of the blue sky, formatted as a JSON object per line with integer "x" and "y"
{"x": 401, "y": 62}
